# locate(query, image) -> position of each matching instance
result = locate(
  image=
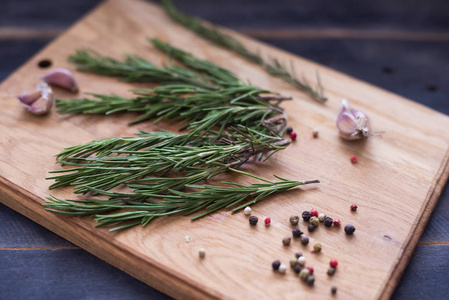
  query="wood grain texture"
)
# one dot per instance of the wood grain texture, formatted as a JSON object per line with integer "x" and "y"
{"x": 411, "y": 166}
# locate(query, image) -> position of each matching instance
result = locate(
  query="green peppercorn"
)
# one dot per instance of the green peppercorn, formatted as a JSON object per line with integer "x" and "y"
{"x": 296, "y": 232}
{"x": 286, "y": 240}
{"x": 328, "y": 222}
{"x": 293, "y": 262}
{"x": 314, "y": 220}
{"x": 349, "y": 229}
{"x": 253, "y": 220}
{"x": 317, "y": 248}
{"x": 310, "y": 280}
{"x": 304, "y": 274}
{"x": 306, "y": 216}
{"x": 331, "y": 271}
{"x": 298, "y": 254}
{"x": 333, "y": 290}
{"x": 294, "y": 220}
{"x": 311, "y": 228}
{"x": 276, "y": 265}
{"x": 297, "y": 269}
{"x": 304, "y": 239}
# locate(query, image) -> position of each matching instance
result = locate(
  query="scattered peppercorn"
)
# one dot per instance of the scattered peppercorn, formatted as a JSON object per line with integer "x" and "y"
{"x": 349, "y": 229}
{"x": 353, "y": 159}
{"x": 328, "y": 222}
{"x": 306, "y": 216}
{"x": 304, "y": 239}
{"x": 267, "y": 221}
{"x": 293, "y": 135}
{"x": 298, "y": 254}
{"x": 297, "y": 269}
{"x": 282, "y": 269}
{"x": 331, "y": 271}
{"x": 313, "y": 212}
{"x": 337, "y": 223}
{"x": 314, "y": 220}
{"x": 302, "y": 260}
{"x": 289, "y": 130}
{"x": 294, "y": 220}
{"x": 321, "y": 217}
{"x": 304, "y": 274}
{"x": 353, "y": 207}
{"x": 310, "y": 280}
{"x": 202, "y": 252}
{"x": 311, "y": 228}
{"x": 293, "y": 262}
{"x": 286, "y": 240}
{"x": 310, "y": 268}
{"x": 253, "y": 220}
{"x": 276, "y": 265}
{"x": 333, "y": 290}
{"x": 317, "y": 248}
{"x": 247, "y": 210}
{"x": 296, "y": 232}
{"x": 315, "y": 133}
{"x": 333, "y": 263}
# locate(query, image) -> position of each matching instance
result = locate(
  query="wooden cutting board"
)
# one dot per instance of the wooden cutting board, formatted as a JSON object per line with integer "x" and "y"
{"x": 396, "y": 183}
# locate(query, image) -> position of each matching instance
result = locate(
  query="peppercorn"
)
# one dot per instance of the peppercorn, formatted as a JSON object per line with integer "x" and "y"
{"x": 353, "y": 207}
{"x": 310, "y": 268}
{"x": 321, "y": 217}
{"x": 293, "y": 135}
{"x": 315, "y": 133}
{"x": 333, "y": 290}
{"x": 293, "y": 262}
{"x": 314, "y": 221}
{"x": 337, "y": 223}
{"x": 289, "y": 130}
{"x": 294, "y": 220}
{"x": 297, "y": 269}
{"x": 296, "y": 232}
{"x": 298, "y": 254}
{"x": 333, "y": 263}
{"x": 306, "y": 216}
{"x": 349, "y": 229}
{"x": 282, "y": 269}
{"x": 317, "y": 248}
{"x": 310, "y": 280}
{"x": 253, "y": 220}
{"x": 247, "y": 210}
{"x": 328, "y": 222}
{"x": 304, "y": 239}
{"x": 353, "y": 159}
{"x": 302, "y": 260}
{"x": 304, "y": 274}
{"x": 202, "y": 252}
{"x": 276, "y": 265}
{"x": 331, "y": 271}
{"x": 313, "y": 212}
{"x": 267, "y": 221}
{"x": 311, "y": 228}
{"x": 286, "y": 240}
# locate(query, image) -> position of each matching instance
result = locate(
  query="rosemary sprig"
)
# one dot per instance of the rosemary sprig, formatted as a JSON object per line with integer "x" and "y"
{"x": 208, "y": 197}
{"x": 273, "y": 66}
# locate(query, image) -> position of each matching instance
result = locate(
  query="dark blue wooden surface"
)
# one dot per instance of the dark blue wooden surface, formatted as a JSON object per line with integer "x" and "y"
{"x": 394, "y": 47}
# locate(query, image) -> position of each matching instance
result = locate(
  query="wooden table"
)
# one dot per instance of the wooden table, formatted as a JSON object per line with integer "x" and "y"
{"x": 398, "y": 47}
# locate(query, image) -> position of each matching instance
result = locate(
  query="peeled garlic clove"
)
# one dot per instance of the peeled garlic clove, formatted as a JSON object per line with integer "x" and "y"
{"x": 62, "y": 78}
{"x": 29, "y": 98}
{"x": 352, "y": 124}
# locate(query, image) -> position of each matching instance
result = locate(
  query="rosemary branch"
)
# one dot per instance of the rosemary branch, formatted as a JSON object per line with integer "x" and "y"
{"x": 273, "y": 66}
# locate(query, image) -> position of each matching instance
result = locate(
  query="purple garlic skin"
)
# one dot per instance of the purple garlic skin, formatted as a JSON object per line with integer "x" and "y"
{"x": 62, "y": 78}
{"x": 352, "y": 124}
{"x": 40, "y": 101}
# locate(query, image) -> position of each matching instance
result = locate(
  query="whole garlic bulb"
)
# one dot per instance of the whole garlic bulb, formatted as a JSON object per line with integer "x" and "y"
{"x": 352, "y": 124}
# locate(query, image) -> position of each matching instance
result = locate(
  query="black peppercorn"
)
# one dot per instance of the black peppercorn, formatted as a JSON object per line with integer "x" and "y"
{"x": 296, "y": 232}
{"x": 298, "y": 254}
{"x": 286, "y": 241}
{"x": 306, "y": 216}
{"x": 276, "y": 265}
{"x": 304, "y": 239}
{"x": 289, "y": 130}
{"x": 349, "y": 229}
{"x": 297, "y": 269}
{"x": 333, "y": 290}
{"x": 253, "y": 220}
{"x": 311, "y": 227}
{"x": 310, "y": 280}
{"x": 328, "y": 222}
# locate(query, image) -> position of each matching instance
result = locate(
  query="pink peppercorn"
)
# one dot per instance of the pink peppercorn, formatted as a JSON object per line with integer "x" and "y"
{"x": 333, "y": 263}
{"x": 310, "y": 268}
{"x": 313, "y": 213}
{"x": 337, "y": 223}
{"x": 353, "y": 159}
{"x": 353, "y": 207}
{"x": 293, "y": 135}
{"x": 267, "y": 221}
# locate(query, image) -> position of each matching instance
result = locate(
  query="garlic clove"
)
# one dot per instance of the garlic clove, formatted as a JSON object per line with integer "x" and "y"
{"x": 352, "y": 124}
{"x": 29, "y": 98}
{"x": 42, "y": 105}
{"x": 40, "y": 101}
{"x": 62, "y": 78}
